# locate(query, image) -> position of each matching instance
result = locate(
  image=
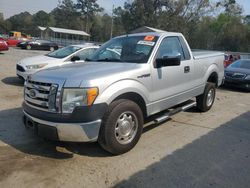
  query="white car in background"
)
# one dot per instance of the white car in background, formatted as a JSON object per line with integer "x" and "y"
{"x": 63, "y": 56}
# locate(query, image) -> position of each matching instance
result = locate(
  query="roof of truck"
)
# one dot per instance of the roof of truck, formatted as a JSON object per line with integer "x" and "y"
{"x": 145, "y": 29}
{"x": 158, "y": 34}
{"x": 86, "y": 45}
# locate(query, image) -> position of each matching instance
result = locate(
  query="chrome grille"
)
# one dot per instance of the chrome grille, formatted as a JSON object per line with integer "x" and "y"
{"x": 41, "y": 95}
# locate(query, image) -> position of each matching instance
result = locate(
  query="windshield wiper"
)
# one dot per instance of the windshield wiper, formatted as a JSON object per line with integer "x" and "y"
{"x": 87, "y": 59}
{"x": 109, "y": 60}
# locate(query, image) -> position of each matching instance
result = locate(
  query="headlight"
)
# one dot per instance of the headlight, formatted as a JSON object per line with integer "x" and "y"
{"x": 38, "y": 66}
{"x": 78, "y": 97}
{"x": 247, "y": 77}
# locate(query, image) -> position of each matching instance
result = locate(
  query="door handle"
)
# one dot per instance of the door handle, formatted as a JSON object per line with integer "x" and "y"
{"x": 186, "y": 69}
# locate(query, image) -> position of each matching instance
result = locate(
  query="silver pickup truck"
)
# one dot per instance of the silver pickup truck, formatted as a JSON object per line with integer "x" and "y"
{"x": 127, "y": 80}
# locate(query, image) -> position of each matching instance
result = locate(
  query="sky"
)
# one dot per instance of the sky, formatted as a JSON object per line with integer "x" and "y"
{"x": 12, "y": 7}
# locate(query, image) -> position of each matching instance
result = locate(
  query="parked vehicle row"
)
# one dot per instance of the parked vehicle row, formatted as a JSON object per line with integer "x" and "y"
{"x": 38, "y": 45}
{"x": 125, "y": 81}
{"x": 13, "y": 41}
{"x": 31, "y": 44}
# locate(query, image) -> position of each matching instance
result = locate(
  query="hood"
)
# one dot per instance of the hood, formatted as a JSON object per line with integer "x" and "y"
{"x": 38, "y": 60}
{"x": 237, "y": 70}
{"x": 76, "y": 75}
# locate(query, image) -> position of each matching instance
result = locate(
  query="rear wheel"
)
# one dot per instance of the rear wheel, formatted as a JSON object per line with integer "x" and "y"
{"x": 122, "y": 127}
{"x": 206, "y": 100}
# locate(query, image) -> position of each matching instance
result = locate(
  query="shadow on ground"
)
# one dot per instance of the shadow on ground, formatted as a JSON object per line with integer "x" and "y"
{"x": 13, "y": 133}
{"x": 14, "y": 81}
{"x": 220, "y": 158}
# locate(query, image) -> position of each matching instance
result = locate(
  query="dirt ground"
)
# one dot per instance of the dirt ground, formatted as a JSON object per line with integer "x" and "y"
{"x": 191, "y": 150}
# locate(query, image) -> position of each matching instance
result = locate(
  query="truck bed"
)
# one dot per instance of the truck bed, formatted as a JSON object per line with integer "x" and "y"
{"x": 200, "y": 54}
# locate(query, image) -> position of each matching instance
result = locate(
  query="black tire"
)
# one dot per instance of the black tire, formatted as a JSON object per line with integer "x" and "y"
{"x": 108, "y": 137}
{"x": 203, "y": 103}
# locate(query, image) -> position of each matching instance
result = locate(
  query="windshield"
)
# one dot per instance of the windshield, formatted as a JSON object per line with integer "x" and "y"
{"x": 244, "y": 64}
{"x": 131, "y": 49}
{"x": 64, "y": 52}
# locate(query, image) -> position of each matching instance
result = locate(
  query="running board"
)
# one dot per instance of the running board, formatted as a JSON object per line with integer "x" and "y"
{"x": 173, "y": 112}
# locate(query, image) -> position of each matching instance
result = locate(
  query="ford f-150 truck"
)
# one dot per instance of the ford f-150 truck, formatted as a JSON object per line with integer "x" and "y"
{"x": 127, "y": 80}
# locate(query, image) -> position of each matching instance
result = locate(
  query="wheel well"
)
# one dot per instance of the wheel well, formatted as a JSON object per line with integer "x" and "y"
{"x": 213, "y": 78}
{"x": 135, "y": 98}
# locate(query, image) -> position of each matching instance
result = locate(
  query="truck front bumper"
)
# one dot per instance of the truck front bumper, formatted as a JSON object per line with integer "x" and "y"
{"x": 69, "y": 132}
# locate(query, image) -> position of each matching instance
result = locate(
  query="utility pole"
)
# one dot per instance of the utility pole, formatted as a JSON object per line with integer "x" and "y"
{"x": 87, "y": 19}
{"x": 112, "y": 22}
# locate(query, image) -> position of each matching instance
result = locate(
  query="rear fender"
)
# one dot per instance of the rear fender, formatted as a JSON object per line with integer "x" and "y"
{"x": 211, "y": 69}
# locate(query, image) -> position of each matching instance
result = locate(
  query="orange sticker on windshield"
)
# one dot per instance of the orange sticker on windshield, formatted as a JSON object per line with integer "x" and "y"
{"x": 149, "y": 38}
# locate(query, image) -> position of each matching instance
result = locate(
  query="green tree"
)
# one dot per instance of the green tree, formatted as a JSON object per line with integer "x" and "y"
{"x": 21, "y": 22}
{"x": 42, "y": 18}
{"x": 118, "y": 26}
{"x": 65, "y": 15}
{"x": 88, "y": 9}
{"x": 225, "y": 32}
{"x": 2, "y": 25}
{"x": 169, "y": 15}
{"x": 230, "y": 7}
{"x": 247, "y": 20}
{"x": 101, "y": 28}
{"x": 136, "y": 14}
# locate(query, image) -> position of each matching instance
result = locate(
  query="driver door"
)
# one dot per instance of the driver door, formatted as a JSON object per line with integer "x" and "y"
{"x": 171, "y": 82}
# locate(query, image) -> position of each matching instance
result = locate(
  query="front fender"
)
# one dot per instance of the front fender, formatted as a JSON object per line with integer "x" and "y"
{"x": 121, "y": 87}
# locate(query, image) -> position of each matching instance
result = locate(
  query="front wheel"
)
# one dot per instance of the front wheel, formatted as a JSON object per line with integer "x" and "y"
{"x": 122, "y": 127}
{"x": 206, "y": 100}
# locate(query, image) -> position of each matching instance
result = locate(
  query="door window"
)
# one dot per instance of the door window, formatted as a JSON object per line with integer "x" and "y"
{"x": 170, "y": 46}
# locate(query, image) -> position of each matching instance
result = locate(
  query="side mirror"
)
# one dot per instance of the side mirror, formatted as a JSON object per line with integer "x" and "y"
{"x": 75, "y": 58}
{"x": 168, "y": 60}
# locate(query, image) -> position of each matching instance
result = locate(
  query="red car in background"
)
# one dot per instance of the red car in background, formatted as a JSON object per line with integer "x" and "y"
{"x": 3, "y": 46}
{"x": 230, "y": 58}
{"x": 14, "y": 41}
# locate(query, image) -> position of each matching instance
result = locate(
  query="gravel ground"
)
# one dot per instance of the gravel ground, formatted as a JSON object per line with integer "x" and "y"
{"x": 191, "y": 150}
